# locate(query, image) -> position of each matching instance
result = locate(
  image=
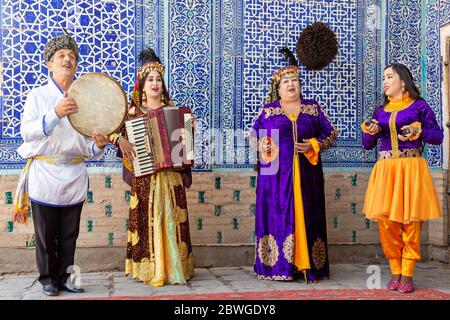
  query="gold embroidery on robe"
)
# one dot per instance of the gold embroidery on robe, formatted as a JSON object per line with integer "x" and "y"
{"x": 319, "y": 254}
{"x": 288, "y": 248}
{"x": 268, "y": 250}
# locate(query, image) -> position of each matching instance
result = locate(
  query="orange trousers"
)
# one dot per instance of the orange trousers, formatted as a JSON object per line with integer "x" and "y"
{"x": 401, "y": 245}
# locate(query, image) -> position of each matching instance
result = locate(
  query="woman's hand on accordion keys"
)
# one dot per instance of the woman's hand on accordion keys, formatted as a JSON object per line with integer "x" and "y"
{"x": 127, "y": 148}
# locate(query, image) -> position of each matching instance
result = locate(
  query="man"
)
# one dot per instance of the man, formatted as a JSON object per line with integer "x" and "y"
{"x": 55, "y": 178}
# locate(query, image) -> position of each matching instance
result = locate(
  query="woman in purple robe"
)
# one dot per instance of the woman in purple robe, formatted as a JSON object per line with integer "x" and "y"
{"x": 289, "y": 133}
{"x": 400, "y": 193}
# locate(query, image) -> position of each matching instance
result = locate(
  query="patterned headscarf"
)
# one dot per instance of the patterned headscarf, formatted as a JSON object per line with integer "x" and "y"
{"x": 61, "y": 42}
{"x": 153, "y": 63}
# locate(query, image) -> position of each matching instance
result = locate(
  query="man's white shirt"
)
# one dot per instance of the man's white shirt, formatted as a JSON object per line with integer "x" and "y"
{"x": 45, "y": 134}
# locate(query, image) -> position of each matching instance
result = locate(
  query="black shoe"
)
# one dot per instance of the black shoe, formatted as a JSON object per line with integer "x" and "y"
{"x": 64, "y": 287}
{"x": 50, "y": 290}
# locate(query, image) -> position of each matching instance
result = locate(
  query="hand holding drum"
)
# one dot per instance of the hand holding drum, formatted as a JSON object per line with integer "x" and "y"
{"x": 66, "y": 106}
{"x": 95, "y": 103}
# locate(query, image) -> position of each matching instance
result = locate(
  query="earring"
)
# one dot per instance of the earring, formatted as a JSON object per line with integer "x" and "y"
{"x": 144, "y": 97}
{"x": 162, "y": 97}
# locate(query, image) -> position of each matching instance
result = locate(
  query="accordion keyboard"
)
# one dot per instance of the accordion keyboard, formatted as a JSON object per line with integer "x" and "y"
{"x": 144, "y": 162}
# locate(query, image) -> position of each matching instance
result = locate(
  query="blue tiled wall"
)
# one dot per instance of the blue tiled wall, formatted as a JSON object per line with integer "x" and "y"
{"x": 220, "y": 54}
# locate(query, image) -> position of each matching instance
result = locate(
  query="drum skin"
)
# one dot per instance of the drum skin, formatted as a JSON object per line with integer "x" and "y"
{"x": 102, "y": 104}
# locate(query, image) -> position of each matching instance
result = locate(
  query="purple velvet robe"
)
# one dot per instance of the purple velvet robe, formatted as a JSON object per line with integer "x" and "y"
{"x": 419, "y": 111}
{"x": 275, "y": 199}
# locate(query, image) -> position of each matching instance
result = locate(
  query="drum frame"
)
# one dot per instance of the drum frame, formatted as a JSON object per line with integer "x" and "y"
{"x": 122, "y": 91}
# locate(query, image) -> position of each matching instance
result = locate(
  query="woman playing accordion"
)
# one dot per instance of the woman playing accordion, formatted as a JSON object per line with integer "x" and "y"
{"x": 159, "y": 247}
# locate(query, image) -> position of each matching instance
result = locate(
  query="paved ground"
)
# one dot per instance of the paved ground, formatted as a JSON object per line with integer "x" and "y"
{"x": 430, "y": 275}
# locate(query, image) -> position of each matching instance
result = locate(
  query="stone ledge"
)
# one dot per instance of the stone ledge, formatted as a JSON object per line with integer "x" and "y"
{"x": 438, "y": 253}
{"x": 102, "y": 259}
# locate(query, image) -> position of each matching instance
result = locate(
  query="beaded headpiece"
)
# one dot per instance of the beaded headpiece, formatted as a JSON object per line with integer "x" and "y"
{"x": 149, "y": 67}
{"x": 291, "y": 70}
{"x": 150, "y": 62}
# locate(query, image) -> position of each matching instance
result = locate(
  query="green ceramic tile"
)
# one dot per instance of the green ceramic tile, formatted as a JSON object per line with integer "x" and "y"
{"x": 354, "y": 237}
{"x": 335, "y": 222}
{"x": 199, "y": 224}
{"x": 9, "y": 226}
{"x": 127, "y": 195}
{"x": 218, "y": 183}
{"x": 90, "y": 225}
{"x": 353, "y": 207}
{"x": 338, "y": 194}
{"x": 237, "y": 196}
{"x": 108, "y": 181}
{"x": 354, "y": 180}
{"x": 235, "y": 224}
{"x": 201, "y": 197}
{"x": 252, "y": 182}
{"x": 31, "y": 243}
{"x": 110, "y": 238}
{"x": 219, "y": 237}
{"x": 108, "y": 210}
{"x": 8, "y": 197}
{"x": 217, "y": 210}
{"x": 90, "y": 197}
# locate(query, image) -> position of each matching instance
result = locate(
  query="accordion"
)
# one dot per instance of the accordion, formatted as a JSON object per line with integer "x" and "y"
{"x": 163, "y": 139}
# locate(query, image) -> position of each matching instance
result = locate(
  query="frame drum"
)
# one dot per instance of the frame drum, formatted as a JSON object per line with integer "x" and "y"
{"x": 102, "y": 104}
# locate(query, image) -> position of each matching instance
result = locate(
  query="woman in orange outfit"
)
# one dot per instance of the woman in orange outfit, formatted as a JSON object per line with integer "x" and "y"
{"x": 400, "y": 194}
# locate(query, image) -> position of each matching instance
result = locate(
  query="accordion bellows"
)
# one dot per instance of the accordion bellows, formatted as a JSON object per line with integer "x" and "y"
{"x": 164, "y": 140}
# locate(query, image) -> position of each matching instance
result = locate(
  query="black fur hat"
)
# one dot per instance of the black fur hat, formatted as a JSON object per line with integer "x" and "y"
{"x": 316, "y": 46}
{"x": 64, "y": 41}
